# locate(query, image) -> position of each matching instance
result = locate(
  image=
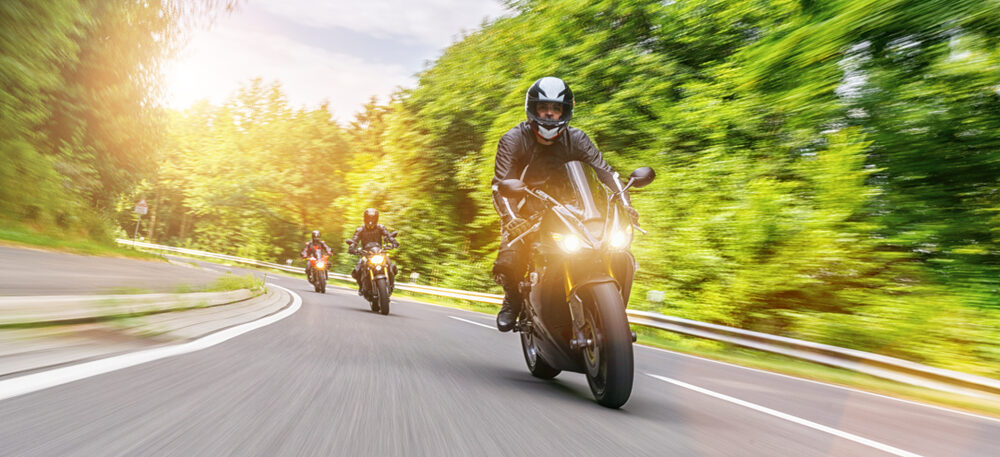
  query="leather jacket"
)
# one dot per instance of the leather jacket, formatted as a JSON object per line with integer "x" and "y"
{"x": 519, "y": 149}
{"x": 316, "y": 245}
{"x": 364, "y": 236}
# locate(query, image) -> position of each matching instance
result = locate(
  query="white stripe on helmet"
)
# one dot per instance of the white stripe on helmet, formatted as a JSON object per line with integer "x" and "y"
{"x": 550, "y": 88}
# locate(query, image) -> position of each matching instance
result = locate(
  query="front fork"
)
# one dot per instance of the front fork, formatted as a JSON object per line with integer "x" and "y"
{"x": 580, "y": 341}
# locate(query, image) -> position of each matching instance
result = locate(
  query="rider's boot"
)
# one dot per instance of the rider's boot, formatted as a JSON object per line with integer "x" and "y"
{"x": 507, "y": 316}
{"x": 356, "y": 274}
{"x": 511, "y": 307}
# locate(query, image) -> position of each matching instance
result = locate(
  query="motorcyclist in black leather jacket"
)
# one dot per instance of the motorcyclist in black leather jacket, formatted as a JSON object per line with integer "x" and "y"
{"x": 371, "y": 232}
{"x": 544, "y": 139}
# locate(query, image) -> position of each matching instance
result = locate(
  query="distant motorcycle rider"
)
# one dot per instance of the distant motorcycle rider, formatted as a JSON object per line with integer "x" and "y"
{"x": 543, "y": 140}
{"x": 371, "y": 232}
{"x": 312, "y": 245}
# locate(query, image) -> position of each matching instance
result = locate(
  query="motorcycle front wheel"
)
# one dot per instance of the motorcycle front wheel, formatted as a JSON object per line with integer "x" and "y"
{"x": 608, "y": 359}
{"x": 321, "y": 282}
{"x": 382, "y": 287}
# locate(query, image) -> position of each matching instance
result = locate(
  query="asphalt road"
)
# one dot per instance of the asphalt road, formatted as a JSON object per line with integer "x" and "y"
{"x": 336, "y": 379}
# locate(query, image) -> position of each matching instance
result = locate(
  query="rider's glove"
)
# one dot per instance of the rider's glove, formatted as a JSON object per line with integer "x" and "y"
{"x": 515, "y": 226}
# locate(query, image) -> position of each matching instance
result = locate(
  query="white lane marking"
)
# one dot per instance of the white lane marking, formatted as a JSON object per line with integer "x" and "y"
{"x": 851, "y": 389}
{"x": 790, "y": 418}
{"x": 473, "y": 322}
{"x": 34, "y": 382}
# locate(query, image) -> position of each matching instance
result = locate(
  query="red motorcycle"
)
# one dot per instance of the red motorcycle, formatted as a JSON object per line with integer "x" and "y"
{"x": 317, "y": 274}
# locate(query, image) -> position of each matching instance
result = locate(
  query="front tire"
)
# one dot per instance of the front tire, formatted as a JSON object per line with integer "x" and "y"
{"x": 609, "y": 361}
{"x": 382, "y": 287}
{"x": 321, "y": 282}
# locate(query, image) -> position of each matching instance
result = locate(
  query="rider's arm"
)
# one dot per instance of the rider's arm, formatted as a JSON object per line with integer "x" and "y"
{"x": 326, "y": 248}
{"x": 388, "y": 237}
{"x": 589, "y": 153}
{"x": 507, "y": 166}
{"x": 357, "y": 238}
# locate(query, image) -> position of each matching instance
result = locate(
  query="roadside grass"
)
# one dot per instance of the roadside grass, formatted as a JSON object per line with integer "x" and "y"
{"x": 225, "y": 283}
{"x": 728, "y": 353}
{"x": 21, "y": 235}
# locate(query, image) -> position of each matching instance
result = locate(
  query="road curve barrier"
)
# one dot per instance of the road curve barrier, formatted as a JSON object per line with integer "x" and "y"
{"x": 63, "y": 309}
{"x": 864, "y": 362}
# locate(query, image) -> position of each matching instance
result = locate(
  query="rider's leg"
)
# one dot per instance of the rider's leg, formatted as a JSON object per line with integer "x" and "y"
{"x": 357, "y": 275}
{"x": 508, "y": 270}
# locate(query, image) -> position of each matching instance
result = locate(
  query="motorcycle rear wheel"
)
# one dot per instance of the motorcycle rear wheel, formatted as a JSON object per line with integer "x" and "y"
{"x": 382, "y": 287}
{"x": 609, "y": 359}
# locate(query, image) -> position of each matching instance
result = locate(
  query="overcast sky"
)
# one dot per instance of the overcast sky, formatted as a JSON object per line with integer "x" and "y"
{"x": 343, "y": 51}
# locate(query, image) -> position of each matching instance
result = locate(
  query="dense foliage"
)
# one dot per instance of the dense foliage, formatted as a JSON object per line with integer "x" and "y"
{"x": 826, "y": 170}
{"x": 79, "y": 82}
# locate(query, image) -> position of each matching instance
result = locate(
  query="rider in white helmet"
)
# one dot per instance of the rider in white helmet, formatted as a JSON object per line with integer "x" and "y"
{"x": 544, "y": 139}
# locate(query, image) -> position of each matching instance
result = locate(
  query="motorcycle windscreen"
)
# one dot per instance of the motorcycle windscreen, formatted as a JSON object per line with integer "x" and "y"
{"x": 575, "y": 184}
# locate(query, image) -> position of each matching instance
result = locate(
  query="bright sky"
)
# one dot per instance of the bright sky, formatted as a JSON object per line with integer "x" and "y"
{"x": 343, "y": 51}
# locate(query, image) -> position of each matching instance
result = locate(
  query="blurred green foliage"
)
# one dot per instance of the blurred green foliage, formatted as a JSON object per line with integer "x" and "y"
{"x": 826, "y": 170}
{"x": 79, "y": 81}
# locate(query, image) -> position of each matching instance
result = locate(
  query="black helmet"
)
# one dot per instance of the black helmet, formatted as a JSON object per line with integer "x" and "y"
{"x": 371, "y": 218}
{"x": 315, "y": 235}
{"x": 549, "y": 89}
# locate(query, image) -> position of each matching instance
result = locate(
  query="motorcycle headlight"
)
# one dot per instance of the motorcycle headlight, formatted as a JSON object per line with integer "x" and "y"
{"x": 377, "y": 259}
{"x": 620, "y": 239}
{"x": 569, "y": 243}
{"x": 321, "y": 264}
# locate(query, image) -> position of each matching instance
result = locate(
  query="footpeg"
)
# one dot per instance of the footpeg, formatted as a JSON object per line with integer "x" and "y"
{"x": 522, "y": 326}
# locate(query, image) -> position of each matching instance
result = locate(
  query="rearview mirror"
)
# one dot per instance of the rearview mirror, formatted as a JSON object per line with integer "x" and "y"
{"x": 642, "y": 176}
{"x": 512, "y": 188}
{"x": 394, "y": 233}
{"x": 349, "y": 242}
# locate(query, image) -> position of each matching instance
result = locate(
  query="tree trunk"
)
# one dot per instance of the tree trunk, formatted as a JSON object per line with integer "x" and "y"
{"x": 182, "y": 237}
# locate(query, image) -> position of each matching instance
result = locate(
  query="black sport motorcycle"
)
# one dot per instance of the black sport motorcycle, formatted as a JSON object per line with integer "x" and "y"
{"x": 377, "y": 276}
{"x": 580, "y": 273}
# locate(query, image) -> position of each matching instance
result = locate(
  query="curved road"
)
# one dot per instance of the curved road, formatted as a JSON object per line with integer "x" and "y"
{"x": 336, "y": 379}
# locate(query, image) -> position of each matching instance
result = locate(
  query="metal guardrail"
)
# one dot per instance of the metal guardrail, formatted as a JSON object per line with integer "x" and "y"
{"x": 59, "y": 309}
{"x": 430, "y": 290}
{"x": 864, "y": 362}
